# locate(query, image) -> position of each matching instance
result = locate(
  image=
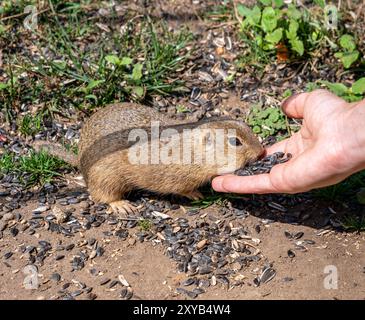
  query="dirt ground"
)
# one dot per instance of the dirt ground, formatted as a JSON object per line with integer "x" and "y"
{"x": 152, "y": 275}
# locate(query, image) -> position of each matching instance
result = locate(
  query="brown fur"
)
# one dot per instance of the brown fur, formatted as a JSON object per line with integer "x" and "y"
{"x": 104, "y": 163}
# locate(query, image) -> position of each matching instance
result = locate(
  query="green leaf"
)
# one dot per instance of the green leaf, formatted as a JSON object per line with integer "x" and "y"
{"x": 287, "y": 93}
{"x": 311, "y": 86}
{"x": 293, "y": 28}
{"x": 337, "y": 88}
{"x": 266, "y": 2}
{"x": 348, "y": 58}
{"x": 93, "y": 84}
{"x": 113, "y": 59}
{"x": 321, "y": 3}
{"x": 274, "y": 115}
{"x": 2, "y": 28}
{"x": 138, "y": 91}
{"x": 278, "y": 3}
{"x": 315, "y": 35}
{"x": 92, "y": 97}
{"x": 252, "y": 16}
{"x": 243, "y": 11}
{"x": 259, "y": 40}
{"x": 60, "y": 64}
{"x": 274, "y": 37}
{"x": 359, "y": 86}
{"x": 348, "y": 42}
{"x": 137, "y": 72}
{"x": 256, "y": 15}
{"x": 269, "y": 19}
{"x": 293, "y": 12}
{"x": 3, "y": 85}
{"x": 298, "y": 46}
{"x": 126, "y": 61}
{"x": 256, "y": 129}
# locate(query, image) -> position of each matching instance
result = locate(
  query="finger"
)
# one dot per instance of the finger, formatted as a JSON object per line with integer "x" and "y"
{"x": 293, "y": 107}
{"x": 251, "y": 184}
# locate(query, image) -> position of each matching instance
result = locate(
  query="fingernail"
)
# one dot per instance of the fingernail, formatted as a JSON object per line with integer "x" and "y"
{"x": 289, "y": 99}
{"x": 217, "y": 184}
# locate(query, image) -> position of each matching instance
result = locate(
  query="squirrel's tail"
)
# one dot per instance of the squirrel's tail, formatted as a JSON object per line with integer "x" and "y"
{"x": 56, "y": 150}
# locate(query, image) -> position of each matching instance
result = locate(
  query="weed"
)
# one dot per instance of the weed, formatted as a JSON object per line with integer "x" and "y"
{"x": 354, "y": 93}
{"x": 181, "y": 109}
{"x": 12, "y": 7}
{"x": 350, "y": 54}
{"x": 270, "y": 24}
{"x": 33, "y": 168}
{"x": 343, "y": 190}
{"x": 144, "y": 224}
{"x": 211, "y": 198}
{"x": 292, "y": 32}
{"x": 354, "y": 223}
{"x": 115, "y": 66}
{"x": 268, "y": 121}
{"x": 140, "y": 64}
{"x": 31, "y": 124}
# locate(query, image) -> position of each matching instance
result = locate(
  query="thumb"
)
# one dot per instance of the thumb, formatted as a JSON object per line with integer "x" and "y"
{"x": 295, "y": 105}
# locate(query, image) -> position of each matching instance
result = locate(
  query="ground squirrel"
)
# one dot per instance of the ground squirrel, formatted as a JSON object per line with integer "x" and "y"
{"x": 105, "y": 150}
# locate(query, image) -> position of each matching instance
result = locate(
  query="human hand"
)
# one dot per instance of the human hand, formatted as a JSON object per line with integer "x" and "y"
{"x": 329, "y": 147}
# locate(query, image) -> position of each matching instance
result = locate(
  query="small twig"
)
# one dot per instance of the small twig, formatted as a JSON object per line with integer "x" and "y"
{"x": 359, "y": 11}
{"x": 223, "y": 24}
{"x": 236, "y": 12}
{"x": 22, "y": 14}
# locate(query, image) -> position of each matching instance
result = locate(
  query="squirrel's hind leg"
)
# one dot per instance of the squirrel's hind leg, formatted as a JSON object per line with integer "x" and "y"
{"x": 105, "y": 192}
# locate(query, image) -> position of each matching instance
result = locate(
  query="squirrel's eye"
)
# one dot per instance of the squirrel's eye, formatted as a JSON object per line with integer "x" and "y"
{"x": 234, "y": 142}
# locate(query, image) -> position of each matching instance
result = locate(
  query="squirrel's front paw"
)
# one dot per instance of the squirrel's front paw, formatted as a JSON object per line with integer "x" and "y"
{"x": 122, "y": 208}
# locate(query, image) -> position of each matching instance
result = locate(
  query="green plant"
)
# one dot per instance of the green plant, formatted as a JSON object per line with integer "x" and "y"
{"x": 144, "y": 224}
{"x": 31, "y": 124}
{"x": 311, "y": 86}
{"x": 35, "y": 168}
{"x": 354, "y": 93}
{"x": 8, "y": 93}
{"x": 270, "y": 23}
{"x": 181, "y": 109}
{"x": 267, "y": 121}
{"x": 349, "y": 54}
{"x": 343, "y": 190}
{"x": 13, "y": 7}
{"x": 354, "y": 223}
{"x": 287, "y": 93}
{"x": 131, "y": 66}
{"x": 211, "y": 198}
{"x": 360, "y": 196}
